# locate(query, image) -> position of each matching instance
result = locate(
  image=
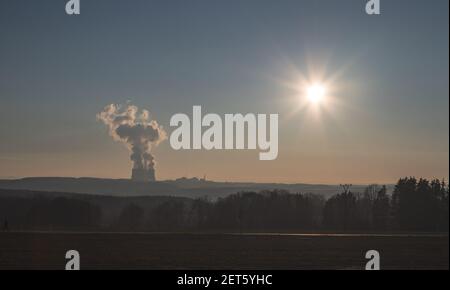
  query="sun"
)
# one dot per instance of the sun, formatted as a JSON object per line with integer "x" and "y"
{"x": 316, "y": 93}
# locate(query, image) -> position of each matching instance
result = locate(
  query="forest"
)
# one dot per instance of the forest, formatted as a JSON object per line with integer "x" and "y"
{"x": 415, "y": 205}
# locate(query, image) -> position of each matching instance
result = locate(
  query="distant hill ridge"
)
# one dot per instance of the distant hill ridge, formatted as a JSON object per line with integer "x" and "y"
{"x": 183, "y": 187}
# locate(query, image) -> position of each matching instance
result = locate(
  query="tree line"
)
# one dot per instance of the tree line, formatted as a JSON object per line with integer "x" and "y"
{"x": 415, "y": 205}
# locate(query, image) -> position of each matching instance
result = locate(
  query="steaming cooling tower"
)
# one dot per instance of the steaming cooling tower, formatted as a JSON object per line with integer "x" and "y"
{"x": 143, "y": 175}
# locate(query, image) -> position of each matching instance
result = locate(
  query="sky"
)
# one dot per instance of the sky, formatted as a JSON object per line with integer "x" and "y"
{"x": 387, "y": 79}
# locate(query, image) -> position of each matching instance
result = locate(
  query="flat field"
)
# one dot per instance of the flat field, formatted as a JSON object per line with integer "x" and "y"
{"x": 221, "y": 251}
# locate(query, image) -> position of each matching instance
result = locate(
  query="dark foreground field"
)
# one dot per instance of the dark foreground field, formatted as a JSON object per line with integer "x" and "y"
{"x": 220, "y": 251}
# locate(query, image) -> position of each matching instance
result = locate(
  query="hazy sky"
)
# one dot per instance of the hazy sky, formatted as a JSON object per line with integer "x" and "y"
{"x": 388, "y": 118}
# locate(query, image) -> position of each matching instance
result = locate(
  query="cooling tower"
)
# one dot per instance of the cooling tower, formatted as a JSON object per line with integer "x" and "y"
{"x": 143, "y": 175}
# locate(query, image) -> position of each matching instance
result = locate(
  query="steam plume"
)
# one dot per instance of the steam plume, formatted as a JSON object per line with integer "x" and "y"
{"x": 135, "y": 129}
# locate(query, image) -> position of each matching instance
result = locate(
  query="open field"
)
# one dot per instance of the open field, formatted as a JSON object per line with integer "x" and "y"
{"x": 221, "y": 251}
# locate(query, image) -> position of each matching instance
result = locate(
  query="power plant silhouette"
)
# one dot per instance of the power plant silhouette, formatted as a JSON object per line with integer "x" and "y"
{"x": 143, "y": 175}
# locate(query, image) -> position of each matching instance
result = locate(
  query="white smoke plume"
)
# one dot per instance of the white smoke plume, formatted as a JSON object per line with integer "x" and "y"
{"x": 136, "y": 130}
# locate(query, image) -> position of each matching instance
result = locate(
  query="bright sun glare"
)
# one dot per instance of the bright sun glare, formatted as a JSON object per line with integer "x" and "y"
{"x": 316, "y": 93}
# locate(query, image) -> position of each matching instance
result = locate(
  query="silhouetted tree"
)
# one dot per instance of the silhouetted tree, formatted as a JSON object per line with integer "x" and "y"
{"x": 420, "y": 205}
{"x": 340, "y": 212}
{"x": 169, "y": 216}
{"x": 381, "y": 210}
{"x": 131, "y": 218}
